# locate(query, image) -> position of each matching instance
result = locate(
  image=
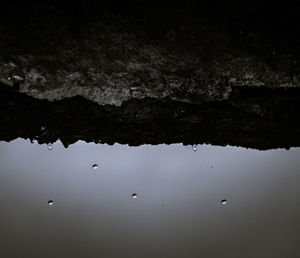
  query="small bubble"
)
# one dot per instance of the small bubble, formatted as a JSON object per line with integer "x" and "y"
{"x": 195, "y": 148}
{"x": 212, "y": 166}
{"x": 50, "y": 147}
{"x": 163, "y": 205}
{"x": 95, "y": 166}
{"x": 50, "y": 202}
{"x": 134, "y": 196}
{"x": 224, "y": 202}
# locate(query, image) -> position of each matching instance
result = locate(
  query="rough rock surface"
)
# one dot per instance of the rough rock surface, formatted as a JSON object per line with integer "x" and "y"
{"x": 160, "y": 58}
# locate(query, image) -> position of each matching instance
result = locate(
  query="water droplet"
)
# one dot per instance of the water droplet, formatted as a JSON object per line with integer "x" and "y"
{"x": 95, "y": 166}
{"x": 212, "y": 166}
{"x": 50, "y": 202}
{"x": 224, "y": 201}
{"x": 162, "y": 205}
{"x": 195, "y": 148}
{"x": 50, "y": 147}
{"x": 134, "y": 196}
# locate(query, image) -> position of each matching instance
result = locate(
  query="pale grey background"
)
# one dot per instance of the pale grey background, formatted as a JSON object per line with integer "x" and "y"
{"x": 178, "y": 212}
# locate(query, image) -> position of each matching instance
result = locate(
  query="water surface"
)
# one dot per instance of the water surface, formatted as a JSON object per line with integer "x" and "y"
{"x": 148, "y": 201}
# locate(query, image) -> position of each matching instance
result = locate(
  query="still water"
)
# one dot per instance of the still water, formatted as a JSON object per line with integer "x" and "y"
{"x": 96, "y": 200}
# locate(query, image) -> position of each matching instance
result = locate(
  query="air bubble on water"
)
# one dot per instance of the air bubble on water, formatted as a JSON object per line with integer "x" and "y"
{"x": 50, "y": 202}
{"x": 50, "y": 147}
{"x": 95, "y": 166}
{"x": 134, "y": 196}
{"x": 224, "y": 202}
{"x": 194, "y": 147}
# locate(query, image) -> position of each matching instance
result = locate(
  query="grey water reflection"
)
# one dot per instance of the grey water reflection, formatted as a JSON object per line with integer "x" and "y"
{"x": 148, "y": 201}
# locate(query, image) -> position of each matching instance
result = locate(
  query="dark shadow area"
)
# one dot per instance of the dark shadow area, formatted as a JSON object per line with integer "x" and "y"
{"x": 191, "y": 72}
{"x": 258, "y": 118}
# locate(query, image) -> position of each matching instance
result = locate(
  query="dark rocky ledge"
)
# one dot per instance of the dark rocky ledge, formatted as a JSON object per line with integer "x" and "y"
{"x": 145, "y": 73}
{"x": 259, "y": 118}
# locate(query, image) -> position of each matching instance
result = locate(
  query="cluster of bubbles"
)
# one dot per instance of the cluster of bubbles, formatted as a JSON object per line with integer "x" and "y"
{"x": 134, "y": 195}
